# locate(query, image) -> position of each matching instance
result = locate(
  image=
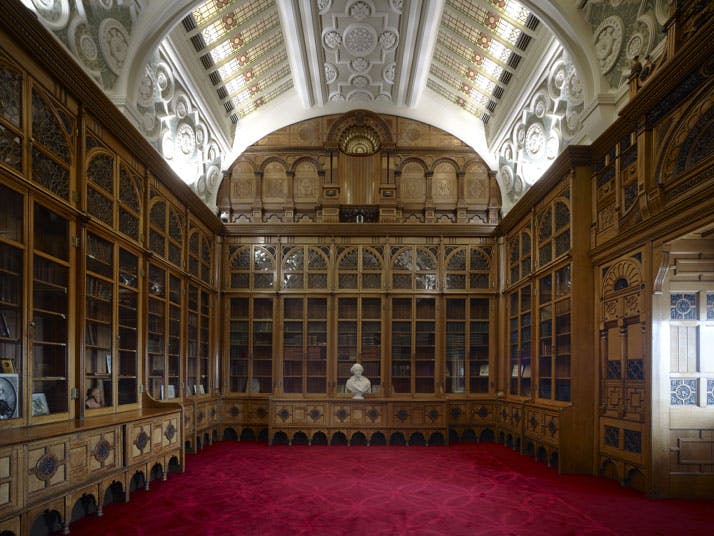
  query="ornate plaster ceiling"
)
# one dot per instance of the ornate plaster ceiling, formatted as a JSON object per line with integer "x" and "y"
{"x": 516, "y": 80}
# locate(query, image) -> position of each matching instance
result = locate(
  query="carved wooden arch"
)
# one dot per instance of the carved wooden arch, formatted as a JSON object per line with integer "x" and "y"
{"x": 271, "y": 160}
{"x": 137, "y": 184}
{"x": 412, "y": 160}
{"x": 306, "y": 159}
{"x": 359, "y": 118}
{"x": 625, "y": 275}
{"x": 692, "y": 138}
{"x": 446, "y": 160}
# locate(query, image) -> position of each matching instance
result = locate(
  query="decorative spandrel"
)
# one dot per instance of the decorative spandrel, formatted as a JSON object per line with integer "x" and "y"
{"x": 11, "y": 96}
{"x": 47, "y": 128}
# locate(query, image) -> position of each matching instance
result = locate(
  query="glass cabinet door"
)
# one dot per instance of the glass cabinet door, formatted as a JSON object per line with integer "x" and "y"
{"x": 413, "y": 345}
{"x": 519, "y": 334}
{"x": 554, "y": 335}
{"x": 50, "y": 308}
{"x": 174, "y": 331}
{"x": 251, "y": 345}
{"x": 479, "y": 339}
{"x": 128, "y": 341}
{"x": 156, "y": 331}
{"x": 359, "y": 339}
{"x": 197, "y": 357}
{"x": 11, "y": 302}
{"x": 305, "y": 345}
{"x": 98, "y": 327}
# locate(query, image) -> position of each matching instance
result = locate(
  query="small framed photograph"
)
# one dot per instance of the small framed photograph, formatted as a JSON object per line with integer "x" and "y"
{"x": 109, "y": 363}
{"x": 201, "y": 390}
{"x": 172, "y": 391}
{"x": 7, "y": 366}
{"x": 39, "y": 404}
{"x": 9, "y": 403}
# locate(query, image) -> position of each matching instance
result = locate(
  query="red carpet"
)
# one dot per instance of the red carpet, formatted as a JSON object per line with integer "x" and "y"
{"x": 466, "y": 489}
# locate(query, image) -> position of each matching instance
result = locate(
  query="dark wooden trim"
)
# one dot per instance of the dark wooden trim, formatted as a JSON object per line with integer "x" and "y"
{"x": 360, "y": 229}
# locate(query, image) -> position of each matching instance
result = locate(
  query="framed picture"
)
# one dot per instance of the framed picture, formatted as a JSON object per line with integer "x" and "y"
{"x": 109, "y": 363}
{"x": 172, "y": 391}
{"x": 201, "y": 390}
{"x": 6, "y": 366}
{"x": 9, "y": 406}
{"x": 39, "y": 404}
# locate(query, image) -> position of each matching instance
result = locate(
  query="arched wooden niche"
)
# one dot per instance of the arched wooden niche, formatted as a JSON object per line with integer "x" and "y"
{"x": 360, "y": 167}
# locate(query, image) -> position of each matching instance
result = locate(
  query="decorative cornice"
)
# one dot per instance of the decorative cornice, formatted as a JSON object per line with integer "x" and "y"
{"x": 359, "y": 229}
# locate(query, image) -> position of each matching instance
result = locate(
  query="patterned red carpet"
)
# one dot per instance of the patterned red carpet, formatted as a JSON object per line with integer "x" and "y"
{"x": 466, "y": 489}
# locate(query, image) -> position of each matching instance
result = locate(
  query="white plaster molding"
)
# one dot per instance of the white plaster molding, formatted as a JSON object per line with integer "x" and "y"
{"x": 295, "y": 45}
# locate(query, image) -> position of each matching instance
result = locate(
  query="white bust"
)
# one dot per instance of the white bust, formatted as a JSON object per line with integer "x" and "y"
{"x": 357, "y": 384}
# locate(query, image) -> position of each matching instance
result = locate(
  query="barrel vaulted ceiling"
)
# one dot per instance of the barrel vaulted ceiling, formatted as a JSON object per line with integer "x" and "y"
{"x": 518, "y": 81}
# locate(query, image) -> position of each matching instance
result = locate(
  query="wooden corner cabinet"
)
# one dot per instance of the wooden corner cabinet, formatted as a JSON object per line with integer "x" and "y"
{"x": 548, "y": 407}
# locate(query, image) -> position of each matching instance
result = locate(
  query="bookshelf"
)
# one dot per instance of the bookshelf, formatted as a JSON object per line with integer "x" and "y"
{"x": 359, "y": 339}
{"x": 413, "y": 334}
{"x": 305, "y": 345}
{"x": 50, "y": 312}
{"x": 250, "y": 340}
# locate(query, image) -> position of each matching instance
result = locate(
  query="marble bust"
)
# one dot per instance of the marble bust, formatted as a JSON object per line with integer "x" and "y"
{"x": 357, "y": 384}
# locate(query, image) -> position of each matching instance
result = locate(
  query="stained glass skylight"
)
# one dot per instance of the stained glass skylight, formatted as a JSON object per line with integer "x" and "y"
{"x": 479, "y": 47}
{"x": 241, "y": 47}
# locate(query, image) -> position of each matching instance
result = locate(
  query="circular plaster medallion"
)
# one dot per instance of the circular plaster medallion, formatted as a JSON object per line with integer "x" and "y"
{"x": 506, "y": 177}
{"x": 573, "y": 87}
{"x": 181, "y": 105}
{"x": 114, "y": 43}
{"x": 551, "y": 147}
{"x": 148, "y": 122}
{"x": 360, "y": 10}
{"x": 556, "y": 79}
{"x": 324, "y": 5}
{"x": 540, "y": 105}
{"x": 360, "y": 81}
{"x": 519, "y": 134}
{"x": 332, "y": 39}
{"x": 507, "y": 150}
{"x": 185, "y": 139}
{"x": 388, "y": 39}
{"x": 201, "y": 186}
{"x": 330, "y": 73}
{"x": 608, "y": 42}
{"x": 535, "y": 139}
{"x": 213, "y": 152}
{"x": 89, "y": 49}
{"x": 634, "y": 46}
{"x": 359, "y": 65}
{"x": 396, "y": 5}
{"x": 389, "y": 72}
{"x": 201, "y": 135}
{"x": 145, "y": 93}
{"x": 106, "y": 4}
{"x": 572, "y": 120}
{"x": 383, "y": 97}
{"x": 54, "y": 13}
{"x": 212, "y": 176}
{"x": 337, "y": 97}
{"x": 360, "y": 39}
{"x": 518, "y": 186}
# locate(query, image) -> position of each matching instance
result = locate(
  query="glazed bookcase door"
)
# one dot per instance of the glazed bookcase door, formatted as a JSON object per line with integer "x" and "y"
{"x": 197, "y": 347}
{"x": 99, "y": 323}
{"x": 128, "y": 328}
{"x": 164, "y": 325}
{"x": 12, "y": 254}
{"x": 519, "y": 341}
{"x": 305, "y": 345}
{"x": 359, "y": 339}
{"x": 554, "y": 335}
{"x": 250, "y": 339}
{"x": 467, "y": 327}
{"x": 50, "y": 314}
{"x": 413, "y": 343}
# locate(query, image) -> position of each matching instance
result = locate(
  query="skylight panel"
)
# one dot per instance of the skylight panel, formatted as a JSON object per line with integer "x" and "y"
{"x": 229, "y": 69}
{"x": 206, "y": 11}
{"x": 491, "y": 68}
{"x": 499, "y": 51}
{"x": 516, "y": 11}
{"x": 485, "y": 84}
{"x": 213, "y": 32}
{"x": 221, "y": 52}
{"x": 507, "y": 31}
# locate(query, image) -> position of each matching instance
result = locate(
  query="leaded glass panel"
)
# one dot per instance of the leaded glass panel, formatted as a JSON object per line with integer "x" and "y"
{"x": 295, "y": 259}
{"x": 371, "y": 281}
{"x": 404, "y": 261}
{"x": 264, "y": 258}
{"x": 457, "y": 261}
{"x": 317, "y": 259}
{"x": 683, "y": 306}
{"x": 370, "y": 260}
{"x": 479, "y": 260}
{"x": 158, "y": 215}
{"x": 241, "y": 259}
{"x": 128, "y": 224}
{"x": 317, "y": 281}
{"x": 99, "y": 206}
{"x": 545, "y": 227}
{"x": 157, "y": 243}
{"x": 128, "y": 189}
{"x": 263, "y": 281}
{"x": 10, "y": 148}
{"x": 50, "y": 174}
{"x": 175, "y": 226}
{"x": 710, "y": 306}
{"x": 456, "y": 281}
{"x": 426, "y": 259}
{"x": 347, "y": 281}
{"x": 101, "y": 171}
{"x": 562, "y": 216}
{"x": 46, "y": 128}
{"x": 402, "y": 281}
{"x": 348, "y": 261}
{"x": 11, "y": 96}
